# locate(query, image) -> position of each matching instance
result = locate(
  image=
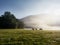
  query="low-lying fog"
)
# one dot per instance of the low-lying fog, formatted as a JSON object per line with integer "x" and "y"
{"x": 45, "y": 21}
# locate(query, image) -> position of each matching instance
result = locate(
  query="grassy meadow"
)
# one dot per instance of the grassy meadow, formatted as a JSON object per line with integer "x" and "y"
{"x": 29, "y": 37}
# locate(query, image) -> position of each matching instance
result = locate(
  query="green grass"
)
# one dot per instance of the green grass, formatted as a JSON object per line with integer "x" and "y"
{"x": 29, "y": 37}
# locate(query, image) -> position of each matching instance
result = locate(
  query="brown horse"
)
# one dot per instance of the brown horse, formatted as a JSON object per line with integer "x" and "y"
{"x": 40, "y": 29}
{"x": 34, "y": 28}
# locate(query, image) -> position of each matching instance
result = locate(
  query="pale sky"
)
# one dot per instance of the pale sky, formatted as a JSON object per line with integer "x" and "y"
{"x": 23, "y": 8}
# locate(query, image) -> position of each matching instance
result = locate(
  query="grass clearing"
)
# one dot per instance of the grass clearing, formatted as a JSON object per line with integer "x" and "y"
{"x": 29, "y": 37}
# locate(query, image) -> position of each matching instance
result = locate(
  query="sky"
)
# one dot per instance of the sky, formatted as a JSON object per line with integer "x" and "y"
{"x": 23, "y": 8}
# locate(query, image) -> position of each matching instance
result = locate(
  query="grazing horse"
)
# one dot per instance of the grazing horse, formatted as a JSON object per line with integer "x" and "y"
{"x": 40, "y": 29}
{"x": 32, "y": 28}
{"x": 35, "y": 28}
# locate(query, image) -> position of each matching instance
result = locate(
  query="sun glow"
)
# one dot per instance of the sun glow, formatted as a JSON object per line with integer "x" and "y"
{"x": 45, "y": 21}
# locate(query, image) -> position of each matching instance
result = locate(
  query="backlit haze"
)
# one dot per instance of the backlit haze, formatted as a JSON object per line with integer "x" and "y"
{"x": 48, "y": 11}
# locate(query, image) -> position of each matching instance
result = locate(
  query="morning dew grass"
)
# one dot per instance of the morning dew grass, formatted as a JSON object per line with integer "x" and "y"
{"x": 29, "y": 37}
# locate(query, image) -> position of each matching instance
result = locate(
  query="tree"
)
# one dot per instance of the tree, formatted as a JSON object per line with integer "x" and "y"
{"x": 20, "y": 24}
{"x": 8, "y": 20}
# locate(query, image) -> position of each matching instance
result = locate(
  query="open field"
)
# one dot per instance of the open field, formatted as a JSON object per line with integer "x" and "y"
{"x": 29, "y": 37}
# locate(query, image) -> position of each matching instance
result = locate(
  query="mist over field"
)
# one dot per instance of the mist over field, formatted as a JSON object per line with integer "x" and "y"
{"x": 45, "y": 21}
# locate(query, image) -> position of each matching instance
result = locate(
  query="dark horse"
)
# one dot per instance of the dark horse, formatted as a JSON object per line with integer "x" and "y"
{"x": 40, "y": 29}
{"x": 32, "y": 28}
{"x": 36, "y": 29}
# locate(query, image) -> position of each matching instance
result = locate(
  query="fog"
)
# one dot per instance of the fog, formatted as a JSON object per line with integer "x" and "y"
{"x": 45, "y": 21}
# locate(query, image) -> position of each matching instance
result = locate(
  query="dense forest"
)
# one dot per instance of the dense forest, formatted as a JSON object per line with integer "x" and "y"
{"x": 9, "y": 21}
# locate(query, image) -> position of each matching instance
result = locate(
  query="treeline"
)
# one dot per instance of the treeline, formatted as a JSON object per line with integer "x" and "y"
{"x": 9, "y": 21}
